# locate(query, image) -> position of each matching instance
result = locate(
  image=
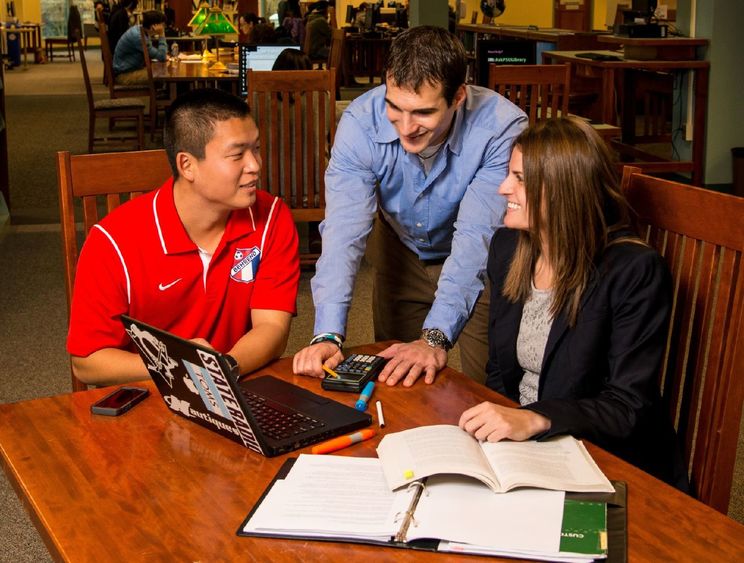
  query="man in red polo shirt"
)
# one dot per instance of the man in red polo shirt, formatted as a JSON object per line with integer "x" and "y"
{"x": 206, "y": 256}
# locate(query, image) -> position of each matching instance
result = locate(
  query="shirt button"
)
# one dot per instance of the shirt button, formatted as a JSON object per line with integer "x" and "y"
{"x": 421, "y": 240}
{"x": 419, "y": 225}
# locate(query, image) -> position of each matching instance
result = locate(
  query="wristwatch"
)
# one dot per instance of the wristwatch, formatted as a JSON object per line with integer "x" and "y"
{"x": 436, "y": 339}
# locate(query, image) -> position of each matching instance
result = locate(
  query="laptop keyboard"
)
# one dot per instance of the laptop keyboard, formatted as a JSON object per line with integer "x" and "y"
{"x": 277, "y": 421}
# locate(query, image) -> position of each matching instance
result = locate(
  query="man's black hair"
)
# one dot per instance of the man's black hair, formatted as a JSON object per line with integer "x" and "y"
{"x": 152, "y": 17}
{"x": 191, "y": 118}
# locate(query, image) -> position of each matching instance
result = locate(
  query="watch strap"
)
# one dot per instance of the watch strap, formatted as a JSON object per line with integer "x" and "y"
{"x": 435, "y": 338}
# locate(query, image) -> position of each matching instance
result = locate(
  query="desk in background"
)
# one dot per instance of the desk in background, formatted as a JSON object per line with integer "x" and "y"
{"x": 30, "y": 39}
{"x": 365, "y": 56}
{"x": 620, "y": 109}
{"x": 149, "y": 484}
{"x": 544, "y": 39}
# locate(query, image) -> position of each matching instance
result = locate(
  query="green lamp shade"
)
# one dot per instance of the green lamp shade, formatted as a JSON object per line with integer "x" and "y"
{"x": 200, "y": 15}
{"x": 216, "y": 23}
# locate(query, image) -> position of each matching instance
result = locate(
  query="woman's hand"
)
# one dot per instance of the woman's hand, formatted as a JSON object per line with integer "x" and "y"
{"x": 492, "y": 423}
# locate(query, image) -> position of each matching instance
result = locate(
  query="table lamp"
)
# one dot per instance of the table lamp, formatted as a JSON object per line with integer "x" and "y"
{"x": 214, "y": 24}
{"x": 200, "y": 15}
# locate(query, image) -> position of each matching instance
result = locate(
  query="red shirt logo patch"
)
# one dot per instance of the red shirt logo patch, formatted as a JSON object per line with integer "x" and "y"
{"x": 245, "y": 265}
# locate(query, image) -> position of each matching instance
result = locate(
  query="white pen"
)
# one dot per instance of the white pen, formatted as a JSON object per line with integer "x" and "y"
{"x": 380, "y": 417}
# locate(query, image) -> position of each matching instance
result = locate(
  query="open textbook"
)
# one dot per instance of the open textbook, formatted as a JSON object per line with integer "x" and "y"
{"x": 338, "y": 498}
{"x": 561, "y": 463}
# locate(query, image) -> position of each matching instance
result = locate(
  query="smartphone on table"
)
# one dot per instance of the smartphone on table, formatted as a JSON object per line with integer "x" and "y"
{"x": 119, "y": 401}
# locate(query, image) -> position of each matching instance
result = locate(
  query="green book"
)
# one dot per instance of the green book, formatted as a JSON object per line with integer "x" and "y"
{"x": 584, "y": 528}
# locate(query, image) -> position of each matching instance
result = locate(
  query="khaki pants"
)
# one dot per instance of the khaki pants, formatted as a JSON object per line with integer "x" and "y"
{"x": 133, "y": 78}
{"x": 403, "y": 292}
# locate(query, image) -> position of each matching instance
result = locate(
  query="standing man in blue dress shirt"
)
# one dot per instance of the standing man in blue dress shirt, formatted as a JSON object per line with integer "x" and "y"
{"x": 424, "y": 154}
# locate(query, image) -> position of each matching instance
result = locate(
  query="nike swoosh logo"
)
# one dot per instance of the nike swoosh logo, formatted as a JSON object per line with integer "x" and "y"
{"x": 162, "y": 287}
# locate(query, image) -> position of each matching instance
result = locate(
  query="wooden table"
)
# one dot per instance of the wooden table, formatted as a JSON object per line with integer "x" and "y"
{"x": 196, "y": 74}
{"x": 149, "y": 485}
{"x": 611, "y": 73}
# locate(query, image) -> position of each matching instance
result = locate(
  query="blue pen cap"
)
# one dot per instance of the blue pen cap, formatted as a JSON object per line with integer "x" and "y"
{"x": 364, "y": 396}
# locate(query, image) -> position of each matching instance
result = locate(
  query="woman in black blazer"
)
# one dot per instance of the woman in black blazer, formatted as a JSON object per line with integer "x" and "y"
{"x": 579, "y": 307}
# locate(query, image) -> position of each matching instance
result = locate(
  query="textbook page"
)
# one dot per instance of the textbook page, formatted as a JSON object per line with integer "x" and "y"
{"x": 428, "y": 450}
{"x": 459, "y": 509}
{"x": 331, "y": 496}
{"x": 561, "y": 463}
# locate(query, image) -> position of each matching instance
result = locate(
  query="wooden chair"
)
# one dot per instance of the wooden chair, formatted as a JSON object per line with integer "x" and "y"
{"x": 336, "y": 56}
{"x": 295, "y": 113}
{"x": 157, "y": 103}
{"x": 50, "y": 42}
{"x": 317, "y": 63}
{"x": 112, "y": 177}
{"x": 130, "y": 109}
{"x": 541, "y": 91}
{"x": 700, "y": 233}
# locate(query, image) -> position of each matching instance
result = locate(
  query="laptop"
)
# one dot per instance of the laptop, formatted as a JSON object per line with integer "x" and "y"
{"x": 262, "y": 413}
{"x": 257, "y": 57}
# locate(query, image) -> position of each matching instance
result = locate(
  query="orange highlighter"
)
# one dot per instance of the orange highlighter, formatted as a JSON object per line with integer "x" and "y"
{"x": 343, "y": 441}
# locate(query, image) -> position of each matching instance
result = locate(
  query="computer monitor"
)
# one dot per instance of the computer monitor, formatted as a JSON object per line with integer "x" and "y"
{"x": 401, "y": 16}
{"x": 351, "y": 13}
{"x": 373, "y": 16}
{"x": 641, "y": 10}
{"x": 256, "y": 57}
{"x": 502, "y": 52}
{"x": 387, "y": 15}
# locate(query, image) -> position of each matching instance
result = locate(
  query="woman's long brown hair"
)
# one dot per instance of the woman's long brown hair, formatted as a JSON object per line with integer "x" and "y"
{"x": 574, "y": 199}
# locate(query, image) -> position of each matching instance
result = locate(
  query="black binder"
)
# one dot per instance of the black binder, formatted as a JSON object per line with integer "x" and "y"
{"x": 617, "y": 524}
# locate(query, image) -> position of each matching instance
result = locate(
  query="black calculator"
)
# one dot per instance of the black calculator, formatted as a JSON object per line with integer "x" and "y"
{"x": 354, "y": 373}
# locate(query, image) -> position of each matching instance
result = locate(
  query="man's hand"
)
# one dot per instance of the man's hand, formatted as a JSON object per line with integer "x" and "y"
{"x": 490, "y": 422}
{"x": 157, "y": 30}
{"x": 309, "y": 360}
{"x": 409, "y": 361}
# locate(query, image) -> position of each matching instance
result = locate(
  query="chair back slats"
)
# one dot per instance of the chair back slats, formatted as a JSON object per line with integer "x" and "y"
{"x": 111, "y": 178}
{"x": 293, "y": 110}
{"x": 541, "y": 91}
{"x": 701, "y": 237}
{"x": 295, "y": 114}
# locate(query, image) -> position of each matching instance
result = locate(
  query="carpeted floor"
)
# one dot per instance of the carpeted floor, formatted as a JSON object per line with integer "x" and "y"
{"x": 38, "y": 127}
{"x": 47, "y": 112}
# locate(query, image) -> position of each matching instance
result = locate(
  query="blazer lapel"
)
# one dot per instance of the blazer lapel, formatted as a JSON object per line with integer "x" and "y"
{"x": 559, "y": 328}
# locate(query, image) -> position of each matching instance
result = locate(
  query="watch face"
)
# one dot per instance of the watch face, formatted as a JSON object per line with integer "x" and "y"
{"x": 436, "y": 338}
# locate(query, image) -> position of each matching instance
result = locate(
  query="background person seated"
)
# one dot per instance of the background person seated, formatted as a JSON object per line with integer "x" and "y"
{"x": 318, "y": 31}
{"x": 580, "y": 307}
{"x": 120, "y": 21}
{"x": 129, "y": 60}
{"x": 294, "y": 27}
{"x": 246, "y": 23}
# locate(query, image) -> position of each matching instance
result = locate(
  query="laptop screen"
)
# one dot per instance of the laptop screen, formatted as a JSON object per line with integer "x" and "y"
{"x": 257, "y": 57}
{"x": 503, "y": 52}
